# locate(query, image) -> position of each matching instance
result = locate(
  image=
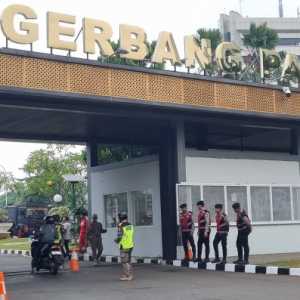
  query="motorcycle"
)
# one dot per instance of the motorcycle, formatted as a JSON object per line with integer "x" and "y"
{"x": 45, "y": 257}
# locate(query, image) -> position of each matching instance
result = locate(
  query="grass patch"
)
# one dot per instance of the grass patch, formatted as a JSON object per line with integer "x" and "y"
{"x": 293, "y": 263}
{"x": 15, "y": 244}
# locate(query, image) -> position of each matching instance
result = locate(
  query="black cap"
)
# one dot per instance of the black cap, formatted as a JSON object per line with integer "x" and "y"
{"x": 183, "y": 205}
{"x": 219, "y": 206}
{"x": 200, "y": 203}
{"x": 236, "y": 205}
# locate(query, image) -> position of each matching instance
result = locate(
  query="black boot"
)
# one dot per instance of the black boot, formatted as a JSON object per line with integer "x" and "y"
{"x": 238, "y": 262}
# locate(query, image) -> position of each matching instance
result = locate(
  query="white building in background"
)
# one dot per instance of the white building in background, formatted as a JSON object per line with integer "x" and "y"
{"x": 234, "y": 25}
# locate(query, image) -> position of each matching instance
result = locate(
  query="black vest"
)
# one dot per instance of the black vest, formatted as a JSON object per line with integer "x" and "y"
{"x": 241, "y": 224}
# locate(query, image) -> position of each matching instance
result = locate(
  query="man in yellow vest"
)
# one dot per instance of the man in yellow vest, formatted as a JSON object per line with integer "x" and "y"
{"x": 125, "y": 241}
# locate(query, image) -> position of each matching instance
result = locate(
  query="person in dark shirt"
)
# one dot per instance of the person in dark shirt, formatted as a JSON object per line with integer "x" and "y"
{"x": 187, "y": 228}
{"x": 244, "y": 227}
{"x": 95, "y": 238}
{"x": 203, "y": 231}
{"x": 221, "y": 234}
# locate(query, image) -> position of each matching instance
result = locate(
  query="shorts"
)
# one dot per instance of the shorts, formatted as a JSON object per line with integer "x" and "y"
{"x": 125, "y": 256}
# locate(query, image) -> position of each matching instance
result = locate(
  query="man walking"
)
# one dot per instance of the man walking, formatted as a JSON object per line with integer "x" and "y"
{"x": 186, "y": 226}
{"x": 125, "y": 240}
{"x": 66, "y": 236}
{"x": 95, "y": 238}
{"x": 203, "y": 231}
{"x": 221, "y": 234}
{"x": 244, "y": 229}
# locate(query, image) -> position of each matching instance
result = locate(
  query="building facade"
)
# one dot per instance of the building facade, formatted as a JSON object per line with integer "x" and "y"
{"x": 234, "y": 25}
{"x": 216, "y": 139}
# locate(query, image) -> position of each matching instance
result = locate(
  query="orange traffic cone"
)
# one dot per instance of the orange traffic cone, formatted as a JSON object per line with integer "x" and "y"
{"x": 3, "y": 295}
{"x": 74, "y": 262}
{"x": 190, "y": 253}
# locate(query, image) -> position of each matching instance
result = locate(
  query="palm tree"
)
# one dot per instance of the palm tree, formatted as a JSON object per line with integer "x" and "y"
{"x": 258, "y": 37}
{"x": 214, "y": 35}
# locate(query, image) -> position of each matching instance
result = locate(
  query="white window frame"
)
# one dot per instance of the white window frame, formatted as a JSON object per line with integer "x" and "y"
{"x": 131, "y": 212}
{"x": 249, "y": 202}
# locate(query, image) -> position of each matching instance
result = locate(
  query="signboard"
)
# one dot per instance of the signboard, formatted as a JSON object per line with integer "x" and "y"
{"x": 97, "y": 35}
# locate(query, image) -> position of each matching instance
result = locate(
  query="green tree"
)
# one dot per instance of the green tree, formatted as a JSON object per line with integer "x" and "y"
{"x": 260, "y": 37}
{"x": 3, "y": 215}
{"x": 62, "y": 211}
{"x": 214, "y": 35}
{"x": 45, "y": 169}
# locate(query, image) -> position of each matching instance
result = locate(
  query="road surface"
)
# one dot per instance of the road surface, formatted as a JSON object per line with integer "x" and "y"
{"x": 151, "y": 282}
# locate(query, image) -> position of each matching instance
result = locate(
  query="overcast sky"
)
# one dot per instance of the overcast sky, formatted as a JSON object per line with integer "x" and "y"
{"x": 179, "y": 17}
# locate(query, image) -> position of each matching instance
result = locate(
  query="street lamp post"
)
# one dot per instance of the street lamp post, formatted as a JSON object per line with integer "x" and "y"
{"x": 73, "y": 179}
{"x": 5, "y": 186}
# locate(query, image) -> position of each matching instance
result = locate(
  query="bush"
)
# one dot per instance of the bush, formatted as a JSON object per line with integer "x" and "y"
{"x": 4, "y": 235}
{"x": 62, "y": 211}
{"x": 3, "y": 215}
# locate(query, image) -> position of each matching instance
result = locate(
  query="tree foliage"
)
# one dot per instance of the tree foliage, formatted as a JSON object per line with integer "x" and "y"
{"x": 3, "y": 215}
{"x": 45, "y": 169}
{"x": 260, "y": 37}
{"x": 62, "y": 211}
{"x": 213, "y": 34}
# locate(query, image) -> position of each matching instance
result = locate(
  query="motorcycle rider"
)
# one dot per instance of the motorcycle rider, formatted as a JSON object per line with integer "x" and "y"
{"x": 46, "y": 236}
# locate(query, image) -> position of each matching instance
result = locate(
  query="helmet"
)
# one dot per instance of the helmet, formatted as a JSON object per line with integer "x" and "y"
{"x": 123, "y": 216}
{"x": 49, "y": 220}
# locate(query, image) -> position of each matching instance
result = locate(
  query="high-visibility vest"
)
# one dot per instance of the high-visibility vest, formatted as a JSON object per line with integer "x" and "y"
{"x": 58, "y": 235}
{"x": 127, "y": 240}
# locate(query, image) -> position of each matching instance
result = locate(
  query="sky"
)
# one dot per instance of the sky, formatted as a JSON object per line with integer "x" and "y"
{"x": 179, "y": 17}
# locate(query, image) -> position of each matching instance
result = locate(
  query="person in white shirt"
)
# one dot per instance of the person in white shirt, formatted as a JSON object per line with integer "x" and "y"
{"x": 67, "y": 235}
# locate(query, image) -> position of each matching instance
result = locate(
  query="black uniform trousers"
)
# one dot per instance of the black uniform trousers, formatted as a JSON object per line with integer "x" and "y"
{"x": 220, "y": 237}
{"x": 242, "y": 245}
{"x": 187, "y": 237}
{"x": 202, "y": 239}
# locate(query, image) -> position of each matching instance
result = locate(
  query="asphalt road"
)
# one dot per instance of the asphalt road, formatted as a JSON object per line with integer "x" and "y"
{"x": 151, "y": 282}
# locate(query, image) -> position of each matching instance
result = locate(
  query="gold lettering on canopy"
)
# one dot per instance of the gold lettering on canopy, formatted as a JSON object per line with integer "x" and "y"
{"x": 291, "y": 67}
{"x": 195, "y": 54}
{"x": 133, "y": 41}
{"x": 229, "y": 58}
{"x": 166, "y": 49}
{"x": 30, "y": 29}
{"x": 269, "y": 61}
{"x": 56, "y": 30}
{"x": 101, "y": 38}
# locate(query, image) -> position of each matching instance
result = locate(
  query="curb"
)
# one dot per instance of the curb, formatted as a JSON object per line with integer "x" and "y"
{"x": 15, "y": 252}
{"x": 230, "y": 268}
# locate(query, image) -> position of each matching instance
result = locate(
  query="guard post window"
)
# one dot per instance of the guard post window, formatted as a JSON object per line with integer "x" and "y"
{"x": 114, "y": 204}
{"x": 142, "y": 208}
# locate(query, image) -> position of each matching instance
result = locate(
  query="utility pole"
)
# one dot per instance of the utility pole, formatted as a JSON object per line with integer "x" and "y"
{"x": 280, "y": 9}
{"x": 241, "y": 6}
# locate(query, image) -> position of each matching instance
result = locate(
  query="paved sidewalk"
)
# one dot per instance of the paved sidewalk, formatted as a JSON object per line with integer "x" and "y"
{"x": 268, "y": 258}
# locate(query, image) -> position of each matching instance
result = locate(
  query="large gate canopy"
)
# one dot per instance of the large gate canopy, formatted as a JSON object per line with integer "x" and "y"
{"x": 63, "y": 98}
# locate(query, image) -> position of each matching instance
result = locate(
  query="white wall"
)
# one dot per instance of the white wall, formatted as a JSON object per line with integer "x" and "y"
{"x": 230, "y": 167}
{"x": 241, "y": 169}
{"x": 136, "y": 175}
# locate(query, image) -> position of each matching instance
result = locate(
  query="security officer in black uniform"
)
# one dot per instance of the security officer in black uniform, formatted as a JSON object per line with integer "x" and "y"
{"x": 244, "y": 227}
